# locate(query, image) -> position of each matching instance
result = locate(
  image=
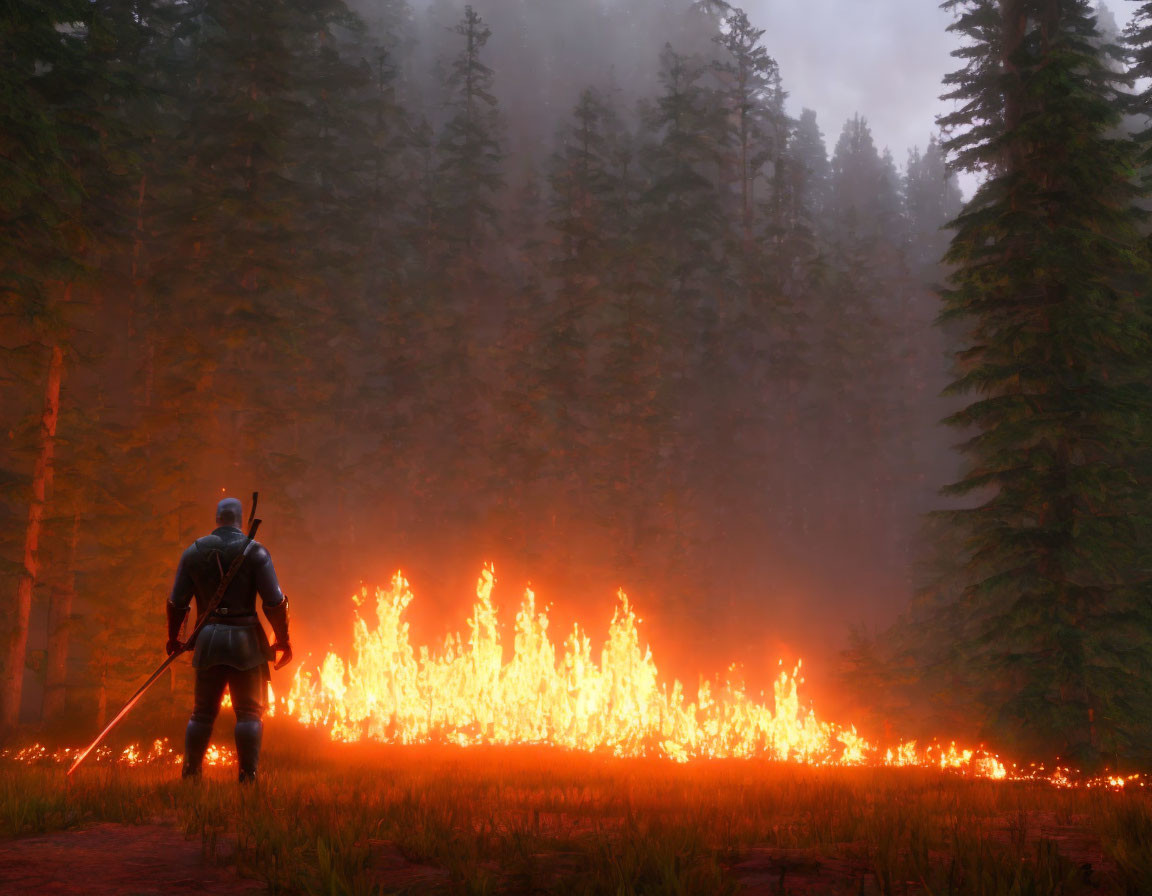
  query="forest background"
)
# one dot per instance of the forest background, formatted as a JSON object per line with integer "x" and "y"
{"x": 607, "y": 319}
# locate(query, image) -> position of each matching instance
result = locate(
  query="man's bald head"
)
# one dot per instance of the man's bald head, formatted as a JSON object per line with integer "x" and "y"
{"x": 229, "y": 512}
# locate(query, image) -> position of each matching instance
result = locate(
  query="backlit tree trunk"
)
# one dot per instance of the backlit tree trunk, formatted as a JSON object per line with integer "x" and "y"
{"x": 12, "y": 680}
{"x": 59, "y": 624}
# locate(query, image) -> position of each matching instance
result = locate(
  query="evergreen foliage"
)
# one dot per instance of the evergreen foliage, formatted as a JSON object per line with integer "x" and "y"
{"x": 469, "y": 175}
{"x": 1138, "y": 38}
{"x": 1050, "y": 286}
{"x": 932, "y": 200}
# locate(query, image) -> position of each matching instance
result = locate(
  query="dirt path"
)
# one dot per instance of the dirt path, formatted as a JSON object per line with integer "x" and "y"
{"x": 114, "y": 860}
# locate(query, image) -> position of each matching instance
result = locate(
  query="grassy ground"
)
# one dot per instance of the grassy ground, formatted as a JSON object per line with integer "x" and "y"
{"x": 326, "y": 819}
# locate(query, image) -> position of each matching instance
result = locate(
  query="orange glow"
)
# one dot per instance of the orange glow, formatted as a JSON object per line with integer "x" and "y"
{"x": 614, "y": 701}
{"x": 226, "y": 703}
{"x": 159, "y": 752}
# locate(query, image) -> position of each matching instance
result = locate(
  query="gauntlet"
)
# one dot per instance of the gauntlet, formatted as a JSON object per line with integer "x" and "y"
{"x": 175, "y": 621}
{"x": 277, "y": 617}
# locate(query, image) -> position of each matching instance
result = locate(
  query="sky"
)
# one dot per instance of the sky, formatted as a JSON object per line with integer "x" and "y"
{"x": 882, "y": 58}
{"x": 885, "y": 59}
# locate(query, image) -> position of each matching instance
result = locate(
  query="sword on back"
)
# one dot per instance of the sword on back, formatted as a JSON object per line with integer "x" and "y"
{"x": 233, "y": 568}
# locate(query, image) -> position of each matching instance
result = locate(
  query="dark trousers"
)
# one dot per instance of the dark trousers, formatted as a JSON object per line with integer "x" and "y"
{"x": 248, "y": 688}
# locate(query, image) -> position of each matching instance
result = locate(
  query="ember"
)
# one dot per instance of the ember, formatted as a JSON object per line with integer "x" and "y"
{"x": 159, "y": 752}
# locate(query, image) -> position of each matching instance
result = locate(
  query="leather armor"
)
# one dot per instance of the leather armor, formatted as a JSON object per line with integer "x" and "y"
{"x": 233, "y": 635}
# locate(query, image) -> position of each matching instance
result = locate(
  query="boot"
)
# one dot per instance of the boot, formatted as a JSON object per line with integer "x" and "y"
{"x": 248, "y": 733}
{"x": 196, "y": 738}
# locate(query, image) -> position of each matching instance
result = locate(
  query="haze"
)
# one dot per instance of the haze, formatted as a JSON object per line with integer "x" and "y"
{"x": 437, "y": 328}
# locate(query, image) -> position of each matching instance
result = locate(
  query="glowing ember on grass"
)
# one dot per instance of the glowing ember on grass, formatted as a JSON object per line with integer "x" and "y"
{"x": 159, "y": 752}
{"x": 465, "y": 693}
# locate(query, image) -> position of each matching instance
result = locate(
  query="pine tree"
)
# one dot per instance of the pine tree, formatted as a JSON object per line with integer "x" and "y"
{"x": 751, "y": 88}
{"x": 262, "y": 220}
{"x": 468, "y": 148}
{"x": 573, "y": 323}
{"x": 798, "y": 265}
{"x": 808, "y": 155}
{"x": 931, "y": 200}
{"x": 684, "y": 206}
{"x": 461, "y": 300}
{"x": 1049, "y": 283}
{"x": 865, "y": 203}
{"x": 607, "y": 306}
{"x": 584, "y": 185}
{"x": 684, "y": 228}
{"x": 1138, "y": 38}
{"x": 60, "y": 85}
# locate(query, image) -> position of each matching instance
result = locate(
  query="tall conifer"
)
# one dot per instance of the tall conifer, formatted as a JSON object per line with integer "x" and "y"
{"x": 468, "y": 148}
{"x": 61, "y": 85}
{"x": 1050, "y": 284}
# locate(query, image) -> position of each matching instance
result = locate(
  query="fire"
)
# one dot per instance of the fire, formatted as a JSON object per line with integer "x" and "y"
{"x": 270, "y": 702}
{"x": 159, "y": 752}
{"x": 466, "y": 693}
{"x": 613, "y": 702}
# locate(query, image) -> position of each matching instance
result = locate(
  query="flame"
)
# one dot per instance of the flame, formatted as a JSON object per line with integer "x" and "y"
{"x": 465, "y": 693}
{"x": 270, "y": 702}
{"x": 159, "y": 752}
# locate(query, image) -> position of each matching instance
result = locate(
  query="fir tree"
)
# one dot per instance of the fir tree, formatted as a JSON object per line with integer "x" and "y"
{"x": 1139, "y": 41}
{"x": 1048, "y": 281}
{"x": 574, "y": 323}
{"x": 684, "y": 208}
{"x": 468, "y": 148}
{"x": 61, "y": 84}
{"x": 751, "y": 87}
{"x": 584, "y": 184}
{"x": 931, "y": 200}
{"x": 808, "y": 160}
{"x": 865, "y": 203}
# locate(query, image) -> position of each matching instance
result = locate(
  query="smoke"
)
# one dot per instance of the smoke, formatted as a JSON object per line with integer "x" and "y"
{"x": 883, "y": 60}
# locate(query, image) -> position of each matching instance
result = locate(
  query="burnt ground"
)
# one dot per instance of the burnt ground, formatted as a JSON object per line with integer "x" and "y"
{"x": 159, "y": 860}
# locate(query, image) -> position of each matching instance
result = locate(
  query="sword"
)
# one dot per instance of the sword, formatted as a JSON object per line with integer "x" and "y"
{"x": 253, "y": 525}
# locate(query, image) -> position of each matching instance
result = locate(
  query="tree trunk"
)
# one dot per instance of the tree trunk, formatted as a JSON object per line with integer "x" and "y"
{"x": 102, "y": 698}
{"x": 1015, "y": 28}
{"x": 12, "y": 681}
{"x": 59, "y": 628}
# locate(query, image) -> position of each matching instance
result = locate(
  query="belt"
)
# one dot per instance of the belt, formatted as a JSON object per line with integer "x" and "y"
{"x": 247, "y": 619}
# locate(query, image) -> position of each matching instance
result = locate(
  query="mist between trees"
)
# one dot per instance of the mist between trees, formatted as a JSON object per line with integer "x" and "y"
{"x": 556, "y": 285}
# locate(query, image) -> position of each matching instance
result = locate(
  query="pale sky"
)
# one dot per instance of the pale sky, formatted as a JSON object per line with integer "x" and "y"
{"x": 885, "y": 59}
{"x": 882, "y": 58}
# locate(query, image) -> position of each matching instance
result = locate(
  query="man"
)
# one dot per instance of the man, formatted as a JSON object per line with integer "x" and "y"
{"x": 232, "y": 650}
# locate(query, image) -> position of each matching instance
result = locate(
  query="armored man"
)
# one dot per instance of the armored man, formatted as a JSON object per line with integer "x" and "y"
{"x": 231, "y": 650}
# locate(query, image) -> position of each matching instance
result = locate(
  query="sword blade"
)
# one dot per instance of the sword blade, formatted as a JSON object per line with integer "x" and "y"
{"x": 221, "y": 588}
{"x": 123, "y": 712}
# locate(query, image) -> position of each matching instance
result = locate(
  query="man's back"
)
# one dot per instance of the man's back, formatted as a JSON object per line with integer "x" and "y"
{"x": 233, "y": 635}
{"x": 232, "y": 649}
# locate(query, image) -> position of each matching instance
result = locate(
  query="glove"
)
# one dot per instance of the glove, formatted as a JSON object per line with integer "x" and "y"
{"x": 277, "y": 616}
{"x": 175, "y": 622}
{"x": 286, "y": 650}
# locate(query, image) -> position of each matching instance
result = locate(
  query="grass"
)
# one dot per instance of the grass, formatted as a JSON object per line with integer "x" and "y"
{"x": 535, "y": 821}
